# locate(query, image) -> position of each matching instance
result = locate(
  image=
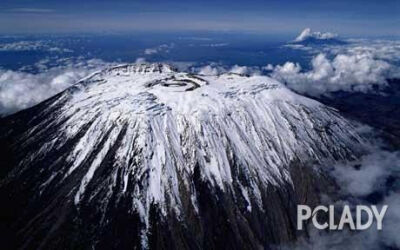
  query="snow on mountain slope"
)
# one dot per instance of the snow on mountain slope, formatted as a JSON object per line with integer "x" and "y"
{"x": 144, "y": 136}
{"x": 309, "y": 37}
{"x": 307, "y": 33}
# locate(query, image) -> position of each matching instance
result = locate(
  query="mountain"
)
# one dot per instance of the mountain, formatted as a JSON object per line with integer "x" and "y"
{"x": 309, "y": 37}
{"x": 143, "y": 156}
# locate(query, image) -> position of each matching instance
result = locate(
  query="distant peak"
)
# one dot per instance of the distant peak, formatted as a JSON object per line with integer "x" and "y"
{"x": 308, "y": 33}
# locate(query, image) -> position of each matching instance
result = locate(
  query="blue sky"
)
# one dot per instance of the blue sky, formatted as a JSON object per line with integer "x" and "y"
{"x": 349, "y": 18}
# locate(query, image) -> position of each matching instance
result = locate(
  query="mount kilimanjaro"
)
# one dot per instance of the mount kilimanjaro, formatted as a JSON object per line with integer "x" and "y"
{"x": 142, "y": 156}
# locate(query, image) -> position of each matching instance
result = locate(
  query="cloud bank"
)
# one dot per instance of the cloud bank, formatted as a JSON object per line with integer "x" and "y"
{"x": 388, "y": 50}
{"x": 355, "y": 65}
{"x": 20, "y": 90}
{"x": 32, "y": 46}
{"x": 347, "y": 72}
{"x": 163, "y": 48}
{"x": 369, "y": 174}
{"x": 358, "y": 65}
{"x": 217, "y": 69}
{"x": 357, "y": 181}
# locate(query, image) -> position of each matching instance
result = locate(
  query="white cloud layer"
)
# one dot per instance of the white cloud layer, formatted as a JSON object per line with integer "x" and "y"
{"x": 209, "y": 70}
{"x": 348, "y": 72}
{"x": 371, "y": 176}
{"x": 32, "y": 46}
{"x": 216, "y": 69}
{"x": 356, "y": 65}
{"x": 163, "y": 48}
{"x": 380, "y": 49}
{"x": 388, "y": 50}
{"x": 20, "y": 90}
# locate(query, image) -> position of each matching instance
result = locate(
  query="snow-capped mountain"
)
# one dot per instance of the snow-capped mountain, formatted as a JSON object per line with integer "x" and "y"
{"x": 143, "y": 156}
{"x": 309, "y": 37}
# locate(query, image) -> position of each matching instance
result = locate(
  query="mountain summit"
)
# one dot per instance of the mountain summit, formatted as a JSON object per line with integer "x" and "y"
{"x": 144, "y": 156}
{"x": 309, "y": 37}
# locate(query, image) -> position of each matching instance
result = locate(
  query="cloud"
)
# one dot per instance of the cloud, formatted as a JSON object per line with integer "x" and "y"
{"x": 388, "y": 50}
{"x": 355, "y": 65}
{"x": 348, "y": 72}
{"x": 32, "y": 46}
{"x": 196, "y": 38}
{"x": 217, "y": 69}
{"x": 392, "y": 221}
{"x": 150, "y": 51}
{"x": 209, "y": 70}
{"x": 307, "y": 33}
{"x": 298, "y": 47}
{"x": 140, "y": 60}
{"x": 20, "y": 90}
{"x": 360, "y": 182}
{"x": 163, "y": 48}
{"x": 370, "y": 176}
{"x": 214, "y": 45}
{"x": 241, "y": 70}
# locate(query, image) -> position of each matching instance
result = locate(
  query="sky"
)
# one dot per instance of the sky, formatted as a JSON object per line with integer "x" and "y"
{"x": 350, "y": 18}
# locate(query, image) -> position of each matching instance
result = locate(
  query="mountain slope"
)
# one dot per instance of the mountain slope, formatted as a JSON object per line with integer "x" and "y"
{"x": 141, "y": 155}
